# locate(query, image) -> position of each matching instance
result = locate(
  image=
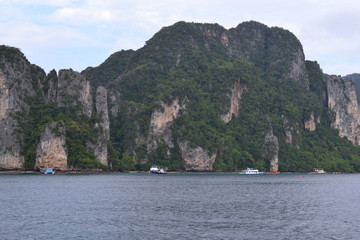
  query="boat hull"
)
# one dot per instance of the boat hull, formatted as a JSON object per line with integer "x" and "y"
{"x": 318, "y": 171}
{"x": 259, "y": 173}
{"x": 251, "y": 171}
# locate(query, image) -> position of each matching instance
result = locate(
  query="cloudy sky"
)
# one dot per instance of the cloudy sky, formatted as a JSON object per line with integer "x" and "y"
{"x": 56, "y": 34}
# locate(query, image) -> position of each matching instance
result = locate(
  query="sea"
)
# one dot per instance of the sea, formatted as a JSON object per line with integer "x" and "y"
{"x": 179, "y": 206}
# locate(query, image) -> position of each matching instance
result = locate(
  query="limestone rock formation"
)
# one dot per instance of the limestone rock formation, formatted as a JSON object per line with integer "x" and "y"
{"x": 73, "y": 88}
{"x": 15, "y": 85}
{"x": 10, "y": 157}
{"x": 311, "y": 123}
{"x": 115, "y": 100}
{"x": 342, "y": 99}
{"x": 101, "y": 146}
{"x": 235, "y": 99}
{"x": 292, "y": 132}
{"x": 161, "y": 120}
{"x": 271, "y": 152}
{"x": 196, "y": 159}
{"x": 251, "y": 40}
{"x": 51, "y": 152}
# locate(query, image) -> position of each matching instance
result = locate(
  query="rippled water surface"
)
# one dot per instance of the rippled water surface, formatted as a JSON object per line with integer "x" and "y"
{"x": 180, "y": 206}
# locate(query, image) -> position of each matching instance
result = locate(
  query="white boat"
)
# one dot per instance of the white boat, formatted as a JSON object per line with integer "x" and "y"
{"x": 156, "y": 170}
{"x": 318, "y": 171}
{"x": 161, "y": 171}
{"x": 251, "y": 171}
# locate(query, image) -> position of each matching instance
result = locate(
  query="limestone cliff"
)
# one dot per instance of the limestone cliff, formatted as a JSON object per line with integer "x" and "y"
{"x": 161, "y": 120}
{"x": 9, "y": 148}
{"x": 15, "y": 84}
{"x": 253, "y": 40}
{"x": 289, "y": 64}
{"x": 51, "y": 152}
{"x": 342, "y": 99}
{"x": 292, "y": 131}
{"x": 355, "y": 77}
{"x": 101, "y": 146}
{"x": 235, "y": 99}
{"x": 196, "y": 159}
{"x": 74, "y": 89}
{"x": 115, "y": 101}
{"x": 271, "y": 152}
{"x": 311, "y": 123}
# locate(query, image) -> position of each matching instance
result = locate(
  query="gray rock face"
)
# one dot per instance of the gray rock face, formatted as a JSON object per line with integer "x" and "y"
{"x": 298, "y": 68}
{"x": 196, "y": 159}
{"x": 114, "y": 104}
{"x": 74, "y": 89}
{"x": 101, "y": 146}
{"x": 15, "y": 85}
{"x": 291, "y": 132}
{"x": 272, "y": 150}
{"x": 343, "y": 101}
{"x": 9, "y": 148}
{"x": 51, "y": 152}
{"x": 253, "y": 41}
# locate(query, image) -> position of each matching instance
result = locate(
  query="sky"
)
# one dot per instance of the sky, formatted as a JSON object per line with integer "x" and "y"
{"x": 63, "y": 34}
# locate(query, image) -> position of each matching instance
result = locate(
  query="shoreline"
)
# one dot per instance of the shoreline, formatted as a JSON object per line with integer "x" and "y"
{"x": 143, "y": 172}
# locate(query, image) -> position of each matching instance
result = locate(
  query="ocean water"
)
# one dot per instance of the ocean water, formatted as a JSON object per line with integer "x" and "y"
{"x": 179, "y": 206}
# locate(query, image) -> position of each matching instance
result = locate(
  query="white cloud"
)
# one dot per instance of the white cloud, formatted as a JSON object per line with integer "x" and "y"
{"x": 29, "y": 34}
{"x": 80, "y": 16}
{"x": 38, "y": 2}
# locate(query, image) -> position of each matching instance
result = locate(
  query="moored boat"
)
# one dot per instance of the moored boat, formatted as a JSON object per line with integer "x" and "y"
{"x": 162, "y": 171}
{"x": 318, "y": 171}
{"x": 156, "y": 170}
{"x": 251, "y": 171}
{"x": 47, "y": 171}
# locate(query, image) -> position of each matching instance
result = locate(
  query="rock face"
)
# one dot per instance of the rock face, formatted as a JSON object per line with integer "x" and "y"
{"x": 9, "y": 148}
{"x": 355, "y": 77}
{"x": 343, "y": 101}
{"x": 272, "y": 150}
{"x": 72, "y": 89}
{"x": 251, "y": 40}
{"x": 235, "y": 99}
{"x": 291, "y": 131}
{"x": 310, "y": 124}
{"x": 101, "y": 147}
{"x": 292, "y": 61}
{"x": 15, "y": 75}
{"x": 196, "y": 159}
{"x": 114, "y": 104}
{"x": 161, "y": 120}
{"x": 51, "y": 152}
